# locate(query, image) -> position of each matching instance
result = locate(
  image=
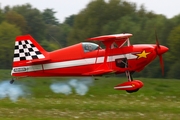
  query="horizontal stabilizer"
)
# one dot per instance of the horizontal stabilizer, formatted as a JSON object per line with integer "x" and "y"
{"x": 39, "y": 61}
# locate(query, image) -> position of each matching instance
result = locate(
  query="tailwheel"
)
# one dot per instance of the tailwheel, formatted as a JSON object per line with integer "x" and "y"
{"x": 12, "y": 81}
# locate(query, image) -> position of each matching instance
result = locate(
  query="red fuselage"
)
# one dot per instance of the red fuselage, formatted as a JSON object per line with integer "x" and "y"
{"x": 75, "y": 61}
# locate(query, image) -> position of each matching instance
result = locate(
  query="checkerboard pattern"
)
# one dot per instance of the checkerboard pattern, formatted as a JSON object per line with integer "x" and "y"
{"x": 26, "y": 50}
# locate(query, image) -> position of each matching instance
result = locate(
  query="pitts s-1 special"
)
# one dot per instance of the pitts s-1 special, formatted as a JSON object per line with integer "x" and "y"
{"x": 86, "y": 59}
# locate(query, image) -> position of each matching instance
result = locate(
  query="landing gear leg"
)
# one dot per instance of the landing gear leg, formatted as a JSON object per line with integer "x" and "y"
{"x": 129, "y": 76}
{"x": 131, "y": 85}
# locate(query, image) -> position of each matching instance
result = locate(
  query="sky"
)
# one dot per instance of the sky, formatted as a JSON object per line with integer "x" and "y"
{"x": 65, "y": 8}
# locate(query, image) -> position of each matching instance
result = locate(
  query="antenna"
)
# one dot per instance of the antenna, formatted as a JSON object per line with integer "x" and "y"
{"x": 55, "y": 40}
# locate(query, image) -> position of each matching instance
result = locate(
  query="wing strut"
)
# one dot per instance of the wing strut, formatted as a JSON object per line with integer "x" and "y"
{"x": 103, "y": 68}
{"x": 108, "y": 40}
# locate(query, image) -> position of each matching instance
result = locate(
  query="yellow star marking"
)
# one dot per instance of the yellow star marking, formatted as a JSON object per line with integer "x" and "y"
{"x": 143, "y": 54}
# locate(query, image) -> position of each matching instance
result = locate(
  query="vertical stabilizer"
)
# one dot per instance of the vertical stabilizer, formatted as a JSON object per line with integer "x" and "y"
{"x": 27, "y": 52}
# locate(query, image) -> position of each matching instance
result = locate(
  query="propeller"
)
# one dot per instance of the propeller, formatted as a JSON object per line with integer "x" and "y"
{"x": 157, "y": 41}
{"x": 159, "y": 52}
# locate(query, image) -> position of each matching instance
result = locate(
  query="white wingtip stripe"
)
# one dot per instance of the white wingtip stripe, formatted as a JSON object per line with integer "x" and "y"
{"x": 120, "y": 87}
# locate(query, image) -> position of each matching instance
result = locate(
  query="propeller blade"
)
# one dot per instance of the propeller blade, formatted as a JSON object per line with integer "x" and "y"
{"x": 159, "y": 51}
{"x": 157, "y": 41}
{"x": 161, "y": 63}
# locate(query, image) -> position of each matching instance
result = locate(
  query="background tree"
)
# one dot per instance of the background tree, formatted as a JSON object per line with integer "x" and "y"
{"x": 18, "y": 20}
{"x": 56, "y": 33}
{"x": 8, "y": 32}
{"x": 91, "y": 21}
{"x": 34, "y": 18}
{"x": 1, "y": 15}
{"x": 173, "y": 54}
{"x": 49, "y": 18}
{"x": 70, "y": 20}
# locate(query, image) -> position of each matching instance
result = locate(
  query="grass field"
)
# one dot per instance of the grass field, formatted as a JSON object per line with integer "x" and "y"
{"x": 159, "y": 99}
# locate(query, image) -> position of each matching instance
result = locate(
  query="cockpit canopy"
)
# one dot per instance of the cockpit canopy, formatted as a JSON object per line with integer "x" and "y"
{"x": 88, "y": 46}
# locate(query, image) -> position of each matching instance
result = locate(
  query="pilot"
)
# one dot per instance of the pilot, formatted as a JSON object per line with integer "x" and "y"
{"x": 88, "y": 48}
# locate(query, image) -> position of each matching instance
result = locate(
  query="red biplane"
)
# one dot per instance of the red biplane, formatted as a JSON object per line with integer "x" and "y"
{"x": 86, "y": 59}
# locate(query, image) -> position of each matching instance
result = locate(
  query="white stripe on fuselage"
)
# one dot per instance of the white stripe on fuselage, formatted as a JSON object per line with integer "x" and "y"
{"x": 71, "y": 63}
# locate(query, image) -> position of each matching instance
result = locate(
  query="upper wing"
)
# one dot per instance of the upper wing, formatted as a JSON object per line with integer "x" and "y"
{"x": 119, "y": 39}
{"x": 111, "y": 37}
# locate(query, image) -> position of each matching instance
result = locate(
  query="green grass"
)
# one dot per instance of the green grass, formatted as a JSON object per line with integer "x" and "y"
{"x": 159, "y": 99}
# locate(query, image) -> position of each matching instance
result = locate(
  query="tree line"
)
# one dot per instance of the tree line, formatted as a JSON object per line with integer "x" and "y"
{"x": 98, "y": 18}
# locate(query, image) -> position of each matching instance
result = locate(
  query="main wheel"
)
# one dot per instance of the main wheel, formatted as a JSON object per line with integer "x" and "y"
{"x": 131, "y": 91}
